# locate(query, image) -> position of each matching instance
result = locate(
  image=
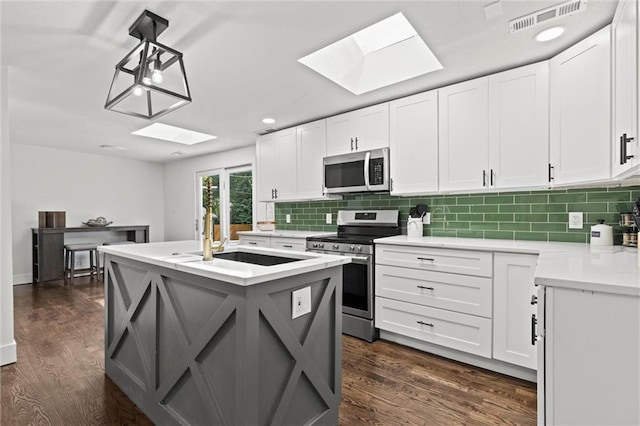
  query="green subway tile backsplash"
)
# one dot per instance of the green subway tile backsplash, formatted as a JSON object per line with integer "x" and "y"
{"x": 527, "y": 215}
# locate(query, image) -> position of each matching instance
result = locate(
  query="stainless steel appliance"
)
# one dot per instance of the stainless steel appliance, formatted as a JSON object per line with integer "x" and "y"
{"x": 356, "y": 231}
{"x": 362, "y": 171}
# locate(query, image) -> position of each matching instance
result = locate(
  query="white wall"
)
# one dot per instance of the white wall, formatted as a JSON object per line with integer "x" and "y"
{"x": 7, "y": 342}
{"x": 180, "y": 188}
{"x": 127, "y": 192}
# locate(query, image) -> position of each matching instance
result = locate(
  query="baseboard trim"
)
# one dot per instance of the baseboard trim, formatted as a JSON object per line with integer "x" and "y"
{"x": 8, "y": 353}
{"x": 22, "y": 279}
{"x": 486, "y": 363}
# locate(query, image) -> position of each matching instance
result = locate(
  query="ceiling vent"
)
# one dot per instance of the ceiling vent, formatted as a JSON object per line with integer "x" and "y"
{"x": 554, "y": 12}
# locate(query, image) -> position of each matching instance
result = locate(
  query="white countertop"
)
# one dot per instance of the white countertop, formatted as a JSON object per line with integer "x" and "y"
{"x": 285, "y": 234}
{"x": 182, "y": 256}
{"x": 613, "y": 269}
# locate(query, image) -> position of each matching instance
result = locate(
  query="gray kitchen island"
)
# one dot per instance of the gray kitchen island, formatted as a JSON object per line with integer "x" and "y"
{"x": 227, "y": 341}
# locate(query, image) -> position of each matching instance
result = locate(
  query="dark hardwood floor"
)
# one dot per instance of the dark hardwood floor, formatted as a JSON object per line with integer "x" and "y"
{"x": 59, "y": 378}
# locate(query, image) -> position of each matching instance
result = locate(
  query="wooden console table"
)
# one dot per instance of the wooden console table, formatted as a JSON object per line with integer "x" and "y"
{"x": 47, "y": 247}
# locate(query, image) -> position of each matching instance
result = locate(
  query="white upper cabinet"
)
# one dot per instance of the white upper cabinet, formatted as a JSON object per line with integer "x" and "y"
{"x": 624, "y": 33}
{"x": 580, "y": 105}
{"x": 519, "y": 127}
{"x": 463, "y": 135}
{"x": 312, "y": 147}
{"x": 360, "y": 130}
{"x": 413, "y": 144}
{"x": 276, "y": 159}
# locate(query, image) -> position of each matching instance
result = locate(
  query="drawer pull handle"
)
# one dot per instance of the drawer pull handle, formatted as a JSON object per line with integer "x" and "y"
{"x": 428, "y": 324}
{"x": 425, "y": 288}
{"x": 253, "y": 243}
{"x": 287, "y": 246}
{"x": 430, "y": 259}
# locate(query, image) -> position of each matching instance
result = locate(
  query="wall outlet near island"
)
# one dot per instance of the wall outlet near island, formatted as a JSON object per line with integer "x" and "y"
{"x": 328, "y": 218}
{"x": 300, "y": 302}
{"x": 575, "y": 220}
{"x": 287, "y": 218}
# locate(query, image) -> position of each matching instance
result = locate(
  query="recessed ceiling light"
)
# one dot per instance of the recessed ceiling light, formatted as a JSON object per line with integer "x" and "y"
{"x": 268, "y": 120}
{"x": 177, "y": 153}
{"x": 173, "y": 134}
{"x": 113, "y": 147}
{"x": 549, "y": 34}
{"x": 385, "y": 53}
{"x": 493, "y": 10}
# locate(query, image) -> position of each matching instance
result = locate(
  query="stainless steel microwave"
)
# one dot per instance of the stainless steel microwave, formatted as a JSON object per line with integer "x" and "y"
{"x": 365, "y": 171}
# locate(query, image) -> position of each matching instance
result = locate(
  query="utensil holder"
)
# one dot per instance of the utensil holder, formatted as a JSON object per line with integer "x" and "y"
{"x": 414, "y": 227}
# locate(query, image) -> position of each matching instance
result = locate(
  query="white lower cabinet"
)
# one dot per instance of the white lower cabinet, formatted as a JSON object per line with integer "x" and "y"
{"x": 434, "y": 295}
{"x": 245, "y": 240}
{"x": 475, "y": 302}
{"x": 463, "y": 332}
{"x": 283, "y": 243}
{"x": 513, "y": 288}
{"x": 274, "y": 241}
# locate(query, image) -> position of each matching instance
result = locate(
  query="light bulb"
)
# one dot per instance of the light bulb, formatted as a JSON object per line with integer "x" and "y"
{"x": 146, "y": 80}
{"x": 137, "y": 91}
{"x": 156, "y": 76}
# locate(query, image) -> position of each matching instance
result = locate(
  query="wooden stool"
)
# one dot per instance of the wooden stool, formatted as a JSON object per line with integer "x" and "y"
{"x": 70, "y": 259}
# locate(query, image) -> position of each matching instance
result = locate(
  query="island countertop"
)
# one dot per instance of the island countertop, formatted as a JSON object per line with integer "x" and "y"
{"x": 184, "y": 256}
{"x": 607, "y": 269}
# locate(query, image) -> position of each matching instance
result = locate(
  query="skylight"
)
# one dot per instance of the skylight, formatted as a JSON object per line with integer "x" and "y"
{"x": 383, "y": 54}
{"x": 173, "y": 134}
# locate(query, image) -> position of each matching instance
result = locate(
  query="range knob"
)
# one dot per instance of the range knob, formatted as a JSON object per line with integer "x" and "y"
{"x": 352, "y": 248}
{"x": 336, "y": 246}
{"x": 360, "y": 248}
{"x": 321, "y": 245}
{"x": 315, "y": 245}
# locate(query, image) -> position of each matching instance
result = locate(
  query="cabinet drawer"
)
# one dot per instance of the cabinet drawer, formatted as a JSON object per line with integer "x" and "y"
{"x": 463, "y": 332}
{"x": 461, "y": 293}
{"x": 435, "y": 259}
{"x": 296, "y": 244}
{"x": 255, "y": 241}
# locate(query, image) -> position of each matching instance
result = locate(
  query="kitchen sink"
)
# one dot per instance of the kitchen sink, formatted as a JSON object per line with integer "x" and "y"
{"x": 254, "y": 258}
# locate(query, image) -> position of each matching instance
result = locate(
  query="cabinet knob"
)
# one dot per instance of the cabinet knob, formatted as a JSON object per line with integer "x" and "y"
{"x": 534, "y": 299}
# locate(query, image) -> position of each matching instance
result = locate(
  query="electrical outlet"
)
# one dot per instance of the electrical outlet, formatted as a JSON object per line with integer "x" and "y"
{"x": 575, "y": 220}
{"x": 300, "y": 302}
{"x": 288, "y": 218}
{"x": 328, "y": 218}
{"x": 426, "y": 219}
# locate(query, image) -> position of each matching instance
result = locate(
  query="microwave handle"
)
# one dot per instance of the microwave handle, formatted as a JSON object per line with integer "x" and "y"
{"x": 367, "y": 158}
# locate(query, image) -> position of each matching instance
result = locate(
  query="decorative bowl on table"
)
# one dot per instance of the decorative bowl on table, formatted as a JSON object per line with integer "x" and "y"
{"x": 98, "y": 222}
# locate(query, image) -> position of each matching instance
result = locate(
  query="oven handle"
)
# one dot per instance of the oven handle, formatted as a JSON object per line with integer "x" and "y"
{"x": 367, "y": 158}
{"x": 359, "y": 259}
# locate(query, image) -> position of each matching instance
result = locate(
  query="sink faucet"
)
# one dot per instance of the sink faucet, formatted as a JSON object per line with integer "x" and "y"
{"x": 207, "y": 253}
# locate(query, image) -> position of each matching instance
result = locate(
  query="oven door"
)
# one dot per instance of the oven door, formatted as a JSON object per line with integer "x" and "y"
{"x": 357, "y": 287}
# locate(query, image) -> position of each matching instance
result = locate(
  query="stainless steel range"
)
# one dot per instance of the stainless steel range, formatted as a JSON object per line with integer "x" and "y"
{"x": 356, "y": 231}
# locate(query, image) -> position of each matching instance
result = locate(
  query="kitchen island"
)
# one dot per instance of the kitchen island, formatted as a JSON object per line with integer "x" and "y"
{"x": 224, "y": 341}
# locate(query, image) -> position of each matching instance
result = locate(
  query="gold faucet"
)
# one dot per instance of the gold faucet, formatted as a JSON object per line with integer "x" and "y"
{"x": 208, "y": 225}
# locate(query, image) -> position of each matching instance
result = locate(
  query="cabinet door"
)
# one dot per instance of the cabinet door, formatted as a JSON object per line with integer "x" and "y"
{"x": 312, "y": 147}
{"x": 340, "y": 134}
{"x": 413, "y": 144}
{"x": 625, "y": 86}
{"x": 580, "y": 111}
{"x": 372, "y": 127}
{"x": 512, "y": 290}
{"x": 286, "y": 171}
{"x": 519, "y": 127}
{"x": 266, "y": 162}
{"x": 463, "y": 135}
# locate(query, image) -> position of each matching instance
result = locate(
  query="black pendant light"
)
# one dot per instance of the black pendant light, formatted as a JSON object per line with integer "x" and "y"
{"x": 150, "y": 81}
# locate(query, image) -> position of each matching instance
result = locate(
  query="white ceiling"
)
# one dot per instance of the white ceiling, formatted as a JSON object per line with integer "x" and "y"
{"x": 241, "y": 62}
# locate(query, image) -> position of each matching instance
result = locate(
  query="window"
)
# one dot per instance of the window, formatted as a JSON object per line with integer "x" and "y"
{"x": 232, "y": 201}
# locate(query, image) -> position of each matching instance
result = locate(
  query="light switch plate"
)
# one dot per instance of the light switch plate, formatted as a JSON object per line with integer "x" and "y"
{"x": 426, "y": 219}
{"x": 328, "y": 218}
{"x": 300, "y": 302}
{"x": 288, "y": 218}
